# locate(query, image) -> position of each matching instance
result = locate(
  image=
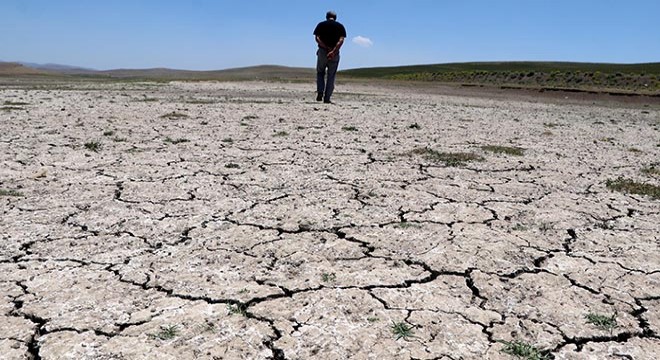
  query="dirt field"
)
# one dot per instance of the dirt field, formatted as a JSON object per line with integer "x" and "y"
{"x": 246, "y": 221}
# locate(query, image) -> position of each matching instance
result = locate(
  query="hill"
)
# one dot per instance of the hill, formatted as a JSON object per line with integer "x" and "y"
{"x": 643, "y": 78}
{"x": 16, "y": 69}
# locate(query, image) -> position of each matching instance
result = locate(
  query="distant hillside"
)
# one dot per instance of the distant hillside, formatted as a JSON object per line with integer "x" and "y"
{"x": 552, "y": 75}
{"x": 263, "y": 72}
{"x": 15, "y": 69}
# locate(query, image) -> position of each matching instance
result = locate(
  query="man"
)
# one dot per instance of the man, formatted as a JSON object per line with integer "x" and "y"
{"x": 330, "y": 35}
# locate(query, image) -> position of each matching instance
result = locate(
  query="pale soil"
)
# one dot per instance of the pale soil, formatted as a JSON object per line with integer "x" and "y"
{"x": 288, "y": 229}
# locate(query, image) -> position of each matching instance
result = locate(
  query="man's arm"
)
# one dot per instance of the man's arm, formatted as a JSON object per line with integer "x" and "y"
{"x": 334, "y": 51}
{"x": 321, "y": 44}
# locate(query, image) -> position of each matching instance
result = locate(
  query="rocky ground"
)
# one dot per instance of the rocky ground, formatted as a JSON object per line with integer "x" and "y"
{"x": 247, "y": 221}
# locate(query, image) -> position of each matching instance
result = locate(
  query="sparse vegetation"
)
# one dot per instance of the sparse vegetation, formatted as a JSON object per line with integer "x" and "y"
{"x": 401, "y": 330}
{"x": 450, "y": 159}
{"x": 228, "y": 140}
{"x": 414, "y": 126}
{"x": 108, "y": 133}
{"x": 642, "y": 78}
{"x": 11, "y": 108}
{"x": 630, "y": 186}
{"x": 10, "y": 192}
{"x": 523, "y": 350}
{"x": 167, "y": 332}
{"x": 407, "y": 225}
{"x": 509, "y": 150}
{"x": 237, "y": 309}
{"x": 349, "y": 128}
{"x": 94, "y": 146}
{"x": 15, "y": 103}
{"x": 176, "y": 141}
{"x": 653, "y": 170}
{"x": 603, "y": 322}
{"x": 373, "y": 319}
{"x": 174, "y": 116}
{"x": 281, "y": 134}
{"x": 232, "y": 166}
{"x": 328, "y": 277}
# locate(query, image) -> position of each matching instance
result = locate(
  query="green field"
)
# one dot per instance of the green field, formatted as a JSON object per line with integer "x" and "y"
{"x": 639, "y": 78}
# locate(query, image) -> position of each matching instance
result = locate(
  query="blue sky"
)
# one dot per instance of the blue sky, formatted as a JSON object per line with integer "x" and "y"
{"x": 206, "y": 34}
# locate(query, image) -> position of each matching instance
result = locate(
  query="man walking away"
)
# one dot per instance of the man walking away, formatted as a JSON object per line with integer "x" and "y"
{"x": 330, "y": 35}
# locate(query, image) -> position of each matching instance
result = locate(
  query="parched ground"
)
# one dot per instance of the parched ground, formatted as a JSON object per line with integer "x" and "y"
{"x": 245, "y": 221}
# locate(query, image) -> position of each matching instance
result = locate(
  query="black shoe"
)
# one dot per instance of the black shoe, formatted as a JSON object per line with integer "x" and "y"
{"x": 327, "y": 101}
{"x": 319, "y": 97}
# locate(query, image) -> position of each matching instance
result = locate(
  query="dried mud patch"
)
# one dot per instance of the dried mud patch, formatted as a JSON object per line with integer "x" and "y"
{"x": 245, "y": 220}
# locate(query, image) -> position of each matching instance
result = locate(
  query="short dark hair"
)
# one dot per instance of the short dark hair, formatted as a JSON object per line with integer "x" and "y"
{"x": 331, "y": 15}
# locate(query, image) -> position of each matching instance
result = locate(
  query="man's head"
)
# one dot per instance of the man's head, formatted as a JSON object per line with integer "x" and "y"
{"x": 331, "y": 15}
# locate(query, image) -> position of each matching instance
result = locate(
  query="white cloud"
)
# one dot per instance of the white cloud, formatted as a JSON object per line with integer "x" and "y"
{"x": 363, "y": 41}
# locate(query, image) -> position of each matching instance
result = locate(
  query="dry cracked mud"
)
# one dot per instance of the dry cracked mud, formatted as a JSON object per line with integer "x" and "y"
{"x": 243, "y": 220}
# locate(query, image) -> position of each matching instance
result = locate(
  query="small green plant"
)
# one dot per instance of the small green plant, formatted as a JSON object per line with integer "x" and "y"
{"x": 450, "y": 159}
{"x": 523, "y": 350}
{"x": 635, "y": 150}
{"x": 147, "y": 99}
{"x": 632, "y": 187}
{"x": 519, "y": 227}
{"x": 118, "y": 139}
{"x": 653, "y": 170}
{"x": 406, "y": 225}
{"x": 108, "y": 133}
{"x": 602, "y": 322}
{"x": 509, "y": 150}
{"x": 10, "y": 192}
{"x": 166, "y": 332}
{"x": 250, "y": 117}
{"x": 414, "y": 126}
{"x": 281, "y": 134}
{"x": 373, "y": 319}
{"x": 94, "y": 146}
{"x": 228, "y": 140}
{"x": 401, "y": 330}
{"x": 550, "y": 125}
{"x": 174, "y": 115}
{"x": 328, "y": 277}
{"x": 232, "y": 166}
{"x": 11, "y": 108}
{"x": 176, "y": 141}
{"x": 349, "y": 128}
{"x": 237, "y": 309}
{"x": 545, "y": 226}
{"x": 243, "y": 291}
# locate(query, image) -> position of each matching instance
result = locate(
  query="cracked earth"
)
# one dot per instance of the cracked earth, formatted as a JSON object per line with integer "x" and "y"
{"x": 242, "y": 220}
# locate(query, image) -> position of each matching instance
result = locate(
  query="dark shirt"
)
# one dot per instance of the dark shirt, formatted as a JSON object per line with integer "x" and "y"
{"x": 330, "y": 31}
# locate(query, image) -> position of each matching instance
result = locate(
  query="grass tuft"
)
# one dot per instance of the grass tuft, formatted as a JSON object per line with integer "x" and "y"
{"x": 176, "y": 141}
{"x": 166, "y": 332}
{"x": 328, "y": 277}
{"x": 509, "y": 150}
{"x": 349, "y": 128}
{"x": 237, "y": 309}
{"x": 523, "y": 350}
{"x": 94, "y": 146}
{"x": 653, "y": 170}
{"x": 630, "y": 186}
{"x": 602, "y": 322}
{"x": 10, "y": 192}
{"x": 281, "y": 134}
{"x": 174, "y": 115}
{"x": 401, "y": 330}
{"x": 450, "y": 159}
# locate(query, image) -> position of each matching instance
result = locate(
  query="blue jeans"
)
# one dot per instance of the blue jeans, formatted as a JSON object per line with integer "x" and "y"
{"x": 322, "y": 63}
